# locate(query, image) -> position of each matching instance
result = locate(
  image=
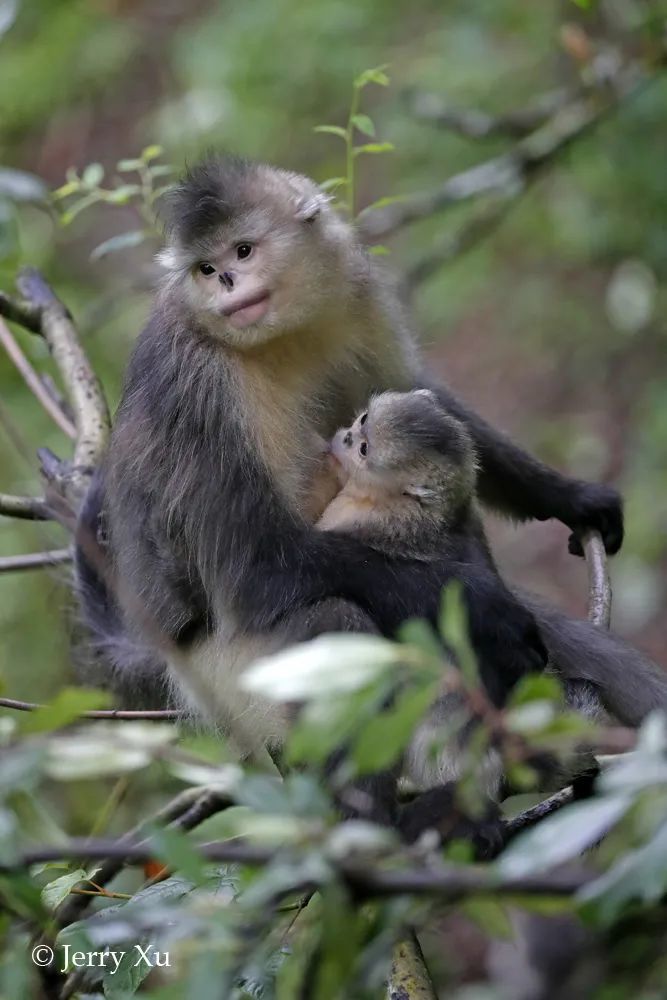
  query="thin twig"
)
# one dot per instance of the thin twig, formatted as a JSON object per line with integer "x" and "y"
{"x": 83, "y": 387}
{"x": 25, "y": 508}
{"x": 536, "y": 813}
{"x": 119, "y": 714}
{"x": 33, "y": 381}
{"x": 34, "y": 560}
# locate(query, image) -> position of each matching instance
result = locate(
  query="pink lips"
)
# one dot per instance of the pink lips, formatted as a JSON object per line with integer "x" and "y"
{"x": 248, "y": 310}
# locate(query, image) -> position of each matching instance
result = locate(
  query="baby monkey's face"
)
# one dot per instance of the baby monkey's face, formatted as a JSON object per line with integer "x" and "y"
{"x": 405, "y": 444}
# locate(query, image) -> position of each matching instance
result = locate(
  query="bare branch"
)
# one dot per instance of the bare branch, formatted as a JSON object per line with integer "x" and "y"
{"x": 536, "y": 813}
{"x": 476, "y": 124}
{"x": 85, "y": 392}
{"x": 22, "y": 313}
{"x": 450, "y": 883}
{"x": 455, "y": 244}
{"x": 35, "y": 560}
{"x": 34, "y": 382}
{"x": 409, "y": 979}
{"x": 25, "y": 508}
{"x": 511, "y": 173}
{"x": 110, "y": 714}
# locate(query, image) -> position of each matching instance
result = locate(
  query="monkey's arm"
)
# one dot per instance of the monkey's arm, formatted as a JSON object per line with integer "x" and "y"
{"x": 518, "y": 484}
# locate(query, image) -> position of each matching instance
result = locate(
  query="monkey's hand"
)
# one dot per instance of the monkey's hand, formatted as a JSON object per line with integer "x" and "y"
{"x": 595, "y": 506}
{"x": 506, "y": 640}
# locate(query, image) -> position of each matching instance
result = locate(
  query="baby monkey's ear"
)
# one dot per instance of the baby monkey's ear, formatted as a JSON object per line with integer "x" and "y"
{"x": 309, "y": 208}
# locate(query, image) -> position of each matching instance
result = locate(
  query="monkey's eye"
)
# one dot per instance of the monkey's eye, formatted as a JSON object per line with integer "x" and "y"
{"x": 362, "y": 419}
{"x": 363, "y": 449}
{"x": 243, "y": 250}
{"x": 207, "y": 269}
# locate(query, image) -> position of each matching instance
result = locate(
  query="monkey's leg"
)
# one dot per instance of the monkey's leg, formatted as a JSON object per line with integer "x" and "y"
{"x": 437, "y": 809}
{"x": 515, "y": 482}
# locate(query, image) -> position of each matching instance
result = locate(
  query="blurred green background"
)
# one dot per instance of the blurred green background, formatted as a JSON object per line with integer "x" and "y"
{"x": 553, "y": 326}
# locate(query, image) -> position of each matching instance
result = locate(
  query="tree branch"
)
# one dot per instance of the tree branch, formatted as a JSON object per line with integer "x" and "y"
{"x": 90, "y": 409}
{"x": 33, "y": 381}
{"x": 25, "y": 508}
{"x": 450, "y": 883}
{"x": 511, "y": 173}
{"x": 474, "y": 123}
{"x": 111, "y": 714}
{"x": 34, "y": 560}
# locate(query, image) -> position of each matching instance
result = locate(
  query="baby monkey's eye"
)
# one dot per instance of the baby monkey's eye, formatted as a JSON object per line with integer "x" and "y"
{"x": 243, "y": 250}
{"x": 363, "y": 449}
{"x": 363, "y": 418}
{"x": 207, "y": 269}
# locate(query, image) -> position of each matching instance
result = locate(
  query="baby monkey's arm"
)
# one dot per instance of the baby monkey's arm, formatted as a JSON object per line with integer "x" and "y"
{"x": 325, "y": 483}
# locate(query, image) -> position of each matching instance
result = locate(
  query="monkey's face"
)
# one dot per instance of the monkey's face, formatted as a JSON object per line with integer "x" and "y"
{"x": 263, "y": 267}
{"x": 405, "y": 444}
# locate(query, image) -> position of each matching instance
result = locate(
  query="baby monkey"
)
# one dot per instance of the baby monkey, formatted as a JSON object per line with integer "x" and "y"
{"x": 405, "y": 473}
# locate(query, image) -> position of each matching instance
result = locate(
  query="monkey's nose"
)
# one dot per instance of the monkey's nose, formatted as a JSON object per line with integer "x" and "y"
{"x": 227, "y": 278}
{"x": 348, "y": 439}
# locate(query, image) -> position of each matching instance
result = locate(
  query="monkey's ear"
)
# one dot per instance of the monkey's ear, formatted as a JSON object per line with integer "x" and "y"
{"x": 418, "y": 492}
{"x": 426, "y": 392}
{"x": 308, "y": 209}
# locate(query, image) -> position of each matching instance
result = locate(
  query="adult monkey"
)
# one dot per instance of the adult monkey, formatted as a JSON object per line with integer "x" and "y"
{"x": 270, "y": 330}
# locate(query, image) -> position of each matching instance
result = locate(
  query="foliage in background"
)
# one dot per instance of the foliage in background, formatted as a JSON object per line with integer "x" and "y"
{"x": 559, "y": 314}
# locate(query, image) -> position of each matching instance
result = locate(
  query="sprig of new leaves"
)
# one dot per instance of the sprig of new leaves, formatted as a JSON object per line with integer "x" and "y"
{"x": 141, "y": 191}
{"x": 358, "y": 123}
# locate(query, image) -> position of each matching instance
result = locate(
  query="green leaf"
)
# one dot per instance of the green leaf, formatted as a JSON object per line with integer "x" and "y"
{"x": 333, "y": 182}
{"x": 383, "y": 202}
{"x": 129, "y": 166}
{"x": 123, "y": 241}
{"x": 123, "y": 194}
{"x": 161, "y": 170}
{"x": 105, "y": 748}
{"x": 18, "y": 185}
{"x": 363, "y": 124}
{"x": 178, "y": 852}
{"x": 330, "y": 664}
{"x": 75, "y": 209}
{"x": 377, "y": 250}
{"x": 332, "y": 130}
{"x": 562, "y": 835}
{"x": 151, "y": 153}
{"x": 123, "y": 981}
{"x": 374, "y": 147}
{"x": 55, "y": 892}
{"x": 387, "y": 735}
{"x": 453, "y": 623}
{"x": 68, "y": 705}
{"x": 536, "y": 687}
{"x": 66, "y": 190}
{"x": 490, "y": 915}
{"x": 375, "y": 75}
{"x": 93, "y": 175}
{"x": 640, "y": 874}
